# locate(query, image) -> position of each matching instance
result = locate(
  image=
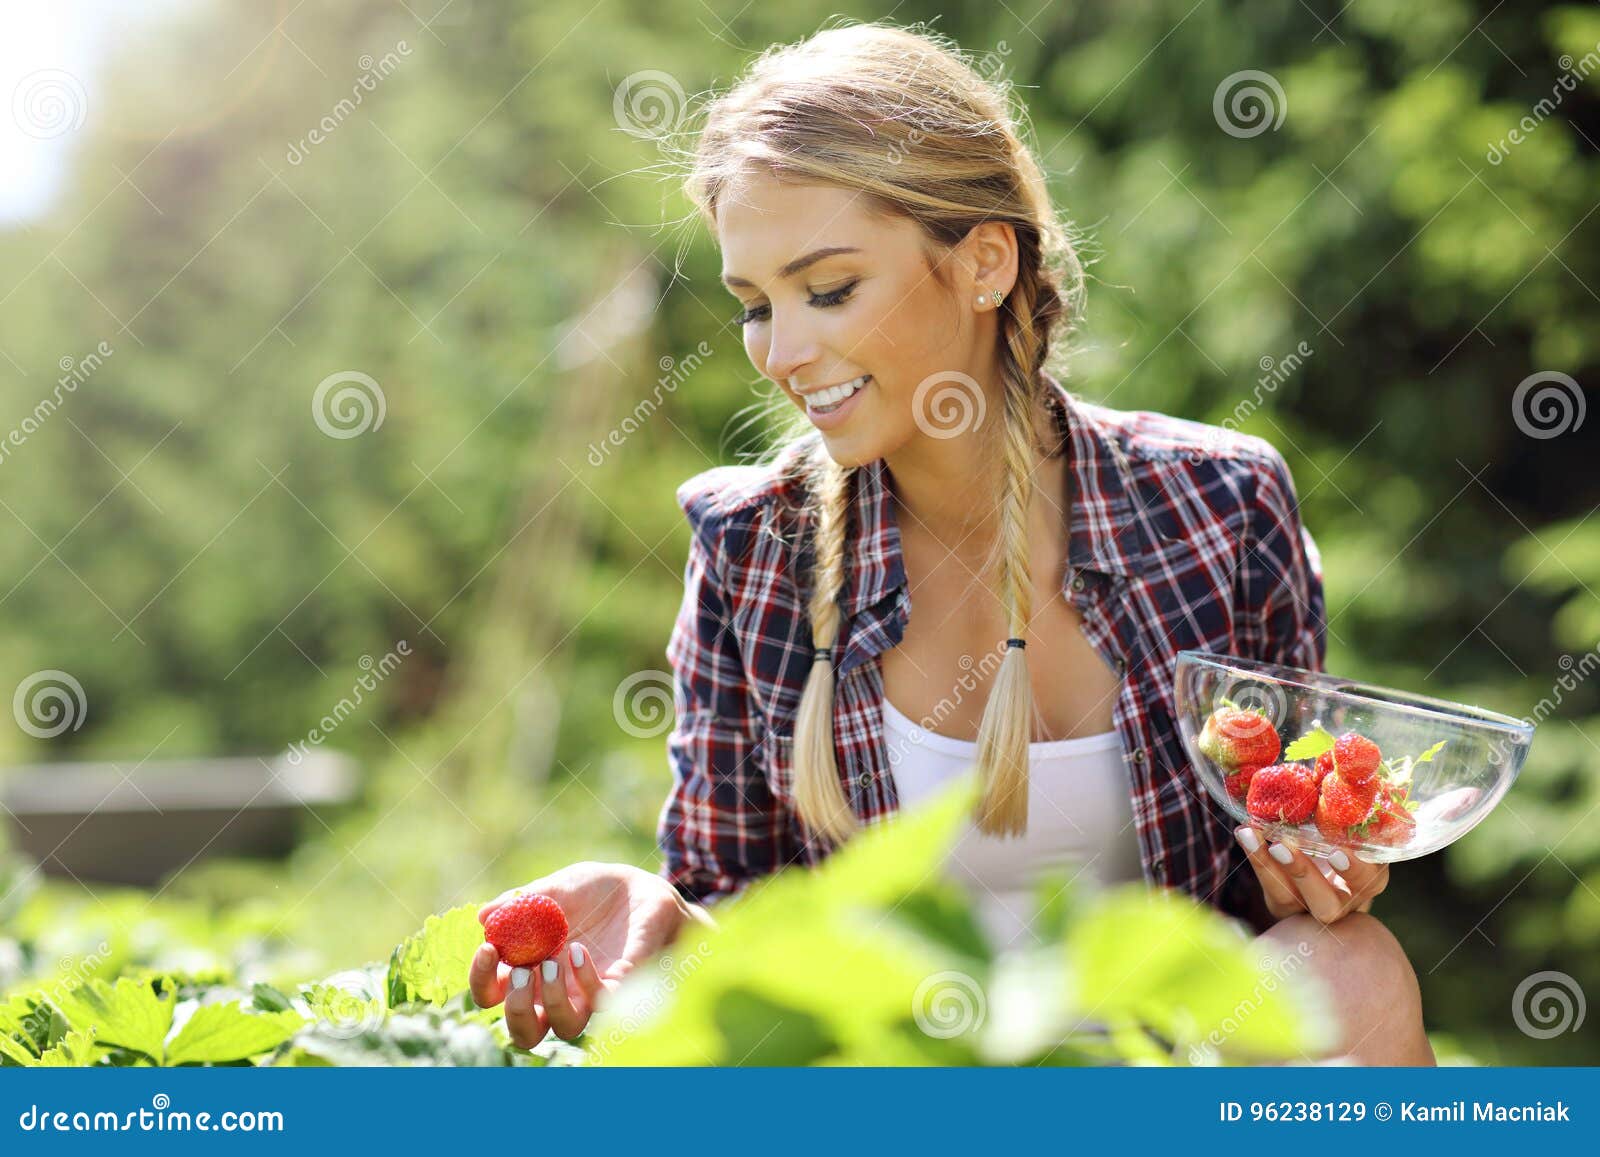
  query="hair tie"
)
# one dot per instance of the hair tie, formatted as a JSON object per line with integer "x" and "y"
{"x": 822, "y": 653}
{"x": 1017, "y": 643}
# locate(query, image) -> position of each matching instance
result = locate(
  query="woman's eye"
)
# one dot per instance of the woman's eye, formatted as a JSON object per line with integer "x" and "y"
{"x": 823, "y": 300}
{"x": 833, "y": 296}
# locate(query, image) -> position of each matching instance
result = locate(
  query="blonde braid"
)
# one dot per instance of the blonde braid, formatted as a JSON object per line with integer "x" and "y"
{"x": 1007, "y": 724}
{"x": 818, "y": 794}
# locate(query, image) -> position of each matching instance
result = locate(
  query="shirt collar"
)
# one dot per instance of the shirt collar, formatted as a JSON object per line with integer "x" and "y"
{"x": 1105, "y": 536}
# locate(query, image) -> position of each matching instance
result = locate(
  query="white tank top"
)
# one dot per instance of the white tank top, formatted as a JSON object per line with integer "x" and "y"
{"x": 1080, "y": 820}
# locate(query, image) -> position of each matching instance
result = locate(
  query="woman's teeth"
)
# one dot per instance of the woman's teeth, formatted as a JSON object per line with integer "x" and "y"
{"x": 824, "y": 401}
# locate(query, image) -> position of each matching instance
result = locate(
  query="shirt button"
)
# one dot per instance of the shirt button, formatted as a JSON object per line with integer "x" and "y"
{"x": 864, "y": 779}
{"x": 1159, "y": 871}
{"x": 1077, "y": 582}
{"x": 1122, "y": 666}
{"x": 1138, "y": 755}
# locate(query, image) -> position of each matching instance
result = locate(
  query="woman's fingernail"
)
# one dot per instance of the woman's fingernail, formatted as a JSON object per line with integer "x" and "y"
{"x": 550, "y": 969}
{"x": 1248, "y": 839}
{"x": 1280, "y": 853}
{"x": 519, "y": 977}
{"x": 1339, "y": 860}
{"x": 577, "y": 956}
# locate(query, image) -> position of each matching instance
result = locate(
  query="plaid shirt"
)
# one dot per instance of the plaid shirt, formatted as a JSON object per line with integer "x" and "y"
{"x": 1183, "y": 536}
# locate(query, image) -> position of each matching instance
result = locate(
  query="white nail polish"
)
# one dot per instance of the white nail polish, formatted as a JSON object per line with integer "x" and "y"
{"x": 1280, "y": 853}
{"x": 550, "y": 967}
{"x": 1339, "y": 860}
{"x": 1249, "y": 841}
{"x": 577, "y": 956}
{"x": 519, "y": 977}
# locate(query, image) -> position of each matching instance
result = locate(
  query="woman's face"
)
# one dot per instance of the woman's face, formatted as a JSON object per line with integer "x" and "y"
{"x": 867, "y": 311}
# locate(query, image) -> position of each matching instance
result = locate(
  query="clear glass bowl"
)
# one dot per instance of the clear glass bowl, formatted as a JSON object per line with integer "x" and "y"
{"x": 1454, "y": 761}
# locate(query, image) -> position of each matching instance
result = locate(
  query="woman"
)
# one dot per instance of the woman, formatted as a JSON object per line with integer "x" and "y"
{"x": 891, "y": 244}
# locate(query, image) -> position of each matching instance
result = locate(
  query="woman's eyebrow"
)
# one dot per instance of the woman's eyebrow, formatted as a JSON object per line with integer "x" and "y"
{"x": 795, "y": 266}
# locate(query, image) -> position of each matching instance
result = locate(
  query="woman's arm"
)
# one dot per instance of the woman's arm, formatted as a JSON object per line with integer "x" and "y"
{"x": 1281, "y": 617}
{"x": 720, "y": 827}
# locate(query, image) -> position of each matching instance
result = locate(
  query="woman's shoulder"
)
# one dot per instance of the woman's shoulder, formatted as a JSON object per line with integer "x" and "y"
{"x": 727, "y": 504}
{"x": 1154, "y": 436}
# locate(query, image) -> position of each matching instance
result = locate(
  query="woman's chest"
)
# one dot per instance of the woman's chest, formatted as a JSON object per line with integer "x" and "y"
{"x": 945, "y": 663}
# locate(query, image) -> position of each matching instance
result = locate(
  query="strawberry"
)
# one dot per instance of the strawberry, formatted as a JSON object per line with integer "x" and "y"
{"x": 1356, "y": 757}
{"x": 1283, "y": 792}
{"x": 1235, "y": 739}
{"x": 527, "y": 929}
{"x": 1342, "y": 804}
{"x": 1238, "y": 784}
{"x": 1390, "y": 822}
{"x": 1323, "y": 766}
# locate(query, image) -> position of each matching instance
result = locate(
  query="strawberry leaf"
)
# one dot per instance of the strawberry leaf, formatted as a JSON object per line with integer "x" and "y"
{"x": 1310, "y": 745}
{"x": 1427, "y": 756}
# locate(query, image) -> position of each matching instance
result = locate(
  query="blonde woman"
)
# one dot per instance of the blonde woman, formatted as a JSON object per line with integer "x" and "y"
{"x": 902, "y": 277}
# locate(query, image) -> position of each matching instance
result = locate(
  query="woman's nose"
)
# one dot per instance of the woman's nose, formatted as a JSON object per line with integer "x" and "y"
{"x": 789, "y": 352}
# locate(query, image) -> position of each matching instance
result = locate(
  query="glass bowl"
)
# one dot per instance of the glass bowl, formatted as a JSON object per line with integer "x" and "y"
{"x": 1441, "y": 767}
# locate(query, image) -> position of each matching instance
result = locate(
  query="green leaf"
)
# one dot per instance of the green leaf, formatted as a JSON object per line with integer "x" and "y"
{"x": 1427, "y": 756}
{"x": 128, "y": 1014}
{"x": 226, "y": 1032}
{"x": 76, "y": 1050}
{"x": 1310, "y": 745}
{"x": 1183, "y": 971}
{"x": 432, "y": 965}
{"x": 12, "y": 1051}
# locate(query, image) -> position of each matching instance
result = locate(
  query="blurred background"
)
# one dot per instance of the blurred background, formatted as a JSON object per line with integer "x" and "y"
{"x": 350, "y": 357}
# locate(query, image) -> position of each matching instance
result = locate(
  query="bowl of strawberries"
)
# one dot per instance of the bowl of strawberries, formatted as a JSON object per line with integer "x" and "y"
{"x": 1326, "y": 763}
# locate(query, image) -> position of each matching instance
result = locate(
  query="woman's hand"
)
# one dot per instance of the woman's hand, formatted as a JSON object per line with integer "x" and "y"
{"x": 617, "y": 916}
{"x": 1328, "y": 889}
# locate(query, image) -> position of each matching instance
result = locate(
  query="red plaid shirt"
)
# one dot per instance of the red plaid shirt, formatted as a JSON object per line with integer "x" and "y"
{"x": 1184, "y": 536}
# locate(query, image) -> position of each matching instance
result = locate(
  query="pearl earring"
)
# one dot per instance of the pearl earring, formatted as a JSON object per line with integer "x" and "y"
{"x": 993, "y": 297}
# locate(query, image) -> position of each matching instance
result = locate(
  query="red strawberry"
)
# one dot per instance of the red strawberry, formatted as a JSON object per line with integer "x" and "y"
{"x": 527, "y": 929}
{"x": 1238, "y": 784}
{"x": 1235, "y": 739}
{"x": 1356, "y": 757}
{"x": 1342, "y": 804}
{"x": 1283, "y": 792}
{"x": 1323, "y": 766}
{"x": 1390, "y": 822}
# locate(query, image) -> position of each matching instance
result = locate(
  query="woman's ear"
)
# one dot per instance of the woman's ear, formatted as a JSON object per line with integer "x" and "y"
{"x": 992, "y": 255}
